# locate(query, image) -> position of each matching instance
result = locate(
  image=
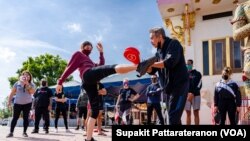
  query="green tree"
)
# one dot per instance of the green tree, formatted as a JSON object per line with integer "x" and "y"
{"x": 5, "y": 112}
{"x": 12, "y": 80}
{"x": 44, "y": 66}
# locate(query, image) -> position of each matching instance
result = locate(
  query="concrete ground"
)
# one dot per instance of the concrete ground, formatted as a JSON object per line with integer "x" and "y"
{"x": 62, "y": 135}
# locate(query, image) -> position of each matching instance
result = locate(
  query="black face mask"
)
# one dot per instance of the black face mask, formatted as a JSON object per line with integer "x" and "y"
{"x": 44, "y": 83}
{"x": 86, "y": 52}
{"x": 159, "y": 45}
{"x": 154, "y": 80}
{"x": 225, "y": 77}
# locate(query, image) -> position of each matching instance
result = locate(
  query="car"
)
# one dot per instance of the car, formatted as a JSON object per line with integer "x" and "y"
{"x": 5, "y": 122}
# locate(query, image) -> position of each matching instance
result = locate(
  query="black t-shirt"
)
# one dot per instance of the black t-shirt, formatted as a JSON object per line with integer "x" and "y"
{"x": 60, "y": 104}
{"x": 42, "y": 97}
{"x": 126, "y": 94}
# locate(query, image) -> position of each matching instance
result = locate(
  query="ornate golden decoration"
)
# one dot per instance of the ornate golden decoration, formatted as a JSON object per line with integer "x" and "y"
{"x": 235, "y": 1}
{"x": 216, "y": 1}
{"x": 170, "y": 10}
{"x": 188, "y": 19}
{"x": 197, "y": 1}
{"x": 177, "y": 32}
{"x": 180, "y": 32}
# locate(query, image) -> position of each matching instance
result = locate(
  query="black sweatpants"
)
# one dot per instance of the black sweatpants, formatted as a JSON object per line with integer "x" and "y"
{"x": 64, "y": 113}
{"x": 90, "y": 80}
{"x": 176, "y": 101}
{"x": 18, "y": 108}
{"x": 227, "y": 106}
{"x": 123, "y": 108}
{"x": 150, "y": 108}
{"x": 39, "y": 113}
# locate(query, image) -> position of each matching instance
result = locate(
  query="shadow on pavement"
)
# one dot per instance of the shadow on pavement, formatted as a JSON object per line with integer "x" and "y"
{"x": 35, "y": 139}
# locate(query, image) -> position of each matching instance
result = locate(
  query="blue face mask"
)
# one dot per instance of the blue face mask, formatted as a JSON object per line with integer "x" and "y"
{"x": 189, "y": 67}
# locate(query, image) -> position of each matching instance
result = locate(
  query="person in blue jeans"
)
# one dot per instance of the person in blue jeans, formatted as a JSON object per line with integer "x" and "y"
{"x": 153, "y": 100}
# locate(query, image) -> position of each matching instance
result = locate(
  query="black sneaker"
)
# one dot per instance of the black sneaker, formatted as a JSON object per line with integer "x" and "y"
{"x": 92, "y": 139}
{"x": 34, "y": 131}
{"x": 25, "y": 134}
{"x": 9, "y": 135}
{"x": 46, "y": 131}
{"x": 104, "y": 130}
{"x": 144, "y": 65}
{"x": 77, "y": 128}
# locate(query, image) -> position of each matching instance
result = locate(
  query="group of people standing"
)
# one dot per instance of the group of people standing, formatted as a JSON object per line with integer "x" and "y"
{"x": 38, "y": 101}
{"x": 179, "y": 82}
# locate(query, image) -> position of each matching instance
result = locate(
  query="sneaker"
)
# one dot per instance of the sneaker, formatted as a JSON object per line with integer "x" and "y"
{"x": 77, "y": 128}
{"x": 34, "y": 131}
{"x": 92, "y": 139}
{"x": 56, "y": 130}
{"x": 102, "y": 134}
{"x": 68, "y": 131}
{"x": 9, "y": 135}
{"x": 25, "y": 134}
{"x": 85, "y": 134}
{"x": 104, "y": 130}
{"x": 144, "y": 65}
{"x": 46, "y": 131}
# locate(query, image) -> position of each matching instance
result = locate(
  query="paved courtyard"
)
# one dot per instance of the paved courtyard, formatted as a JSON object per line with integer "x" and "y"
{"x": 52, "y": 136}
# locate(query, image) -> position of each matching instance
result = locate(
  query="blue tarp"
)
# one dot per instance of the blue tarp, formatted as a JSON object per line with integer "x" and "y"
{"x": 113, "y": 84}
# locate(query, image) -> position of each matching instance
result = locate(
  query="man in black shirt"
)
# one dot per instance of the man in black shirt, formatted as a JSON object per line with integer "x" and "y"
{"x": 42, "y": 104}
{"x": 227, "y": 97}
{"x": 125, "y": 100}
{"x": 193, "y": 99}
{"x": 61, "y": 107}
{"x": 172, "y": 71}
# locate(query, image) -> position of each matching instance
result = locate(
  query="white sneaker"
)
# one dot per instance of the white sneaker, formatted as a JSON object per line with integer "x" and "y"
{"x": 68, "y": 131}
{"x": 56, "y": 130}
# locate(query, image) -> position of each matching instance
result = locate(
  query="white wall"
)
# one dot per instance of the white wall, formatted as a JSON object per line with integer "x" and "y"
{"x": 203, "y": 31}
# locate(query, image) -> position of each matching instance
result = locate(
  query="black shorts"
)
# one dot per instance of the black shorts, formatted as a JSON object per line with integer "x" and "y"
{"x": 90, "y": 80}
{"x": 125, "y": 106}
{"x": 100, "y": 104}
{"x": 82, "y": 111}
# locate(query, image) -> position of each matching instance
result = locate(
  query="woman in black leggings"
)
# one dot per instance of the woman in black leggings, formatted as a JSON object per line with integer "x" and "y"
{"x": 24, "y": 88}
{"x": 61, "y": 107}
{"x": 91, "y": 73}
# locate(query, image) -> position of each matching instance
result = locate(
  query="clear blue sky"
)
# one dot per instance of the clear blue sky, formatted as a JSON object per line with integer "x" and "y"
{"x": 34, "y": 27}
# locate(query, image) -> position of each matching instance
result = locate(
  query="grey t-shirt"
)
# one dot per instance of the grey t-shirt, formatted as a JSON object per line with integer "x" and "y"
{"x": 22, "y": 95}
